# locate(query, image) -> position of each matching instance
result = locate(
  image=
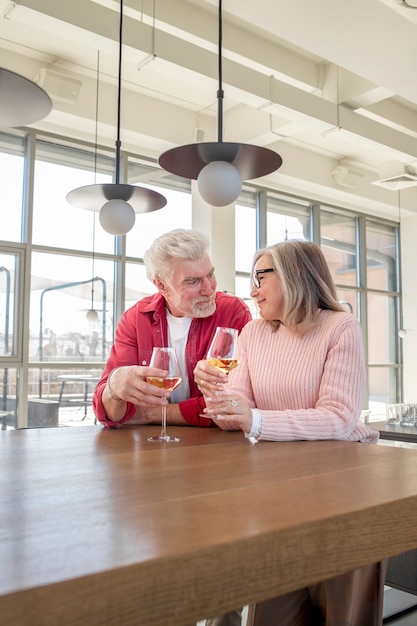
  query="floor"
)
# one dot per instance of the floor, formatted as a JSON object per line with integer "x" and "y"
{"x": 400, "y": 609}
{"x": 406, "y": 620}
{"x": 74, "y": 416}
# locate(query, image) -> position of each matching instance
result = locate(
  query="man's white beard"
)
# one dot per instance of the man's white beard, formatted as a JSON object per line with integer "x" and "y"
{"x": 203, "y": 310}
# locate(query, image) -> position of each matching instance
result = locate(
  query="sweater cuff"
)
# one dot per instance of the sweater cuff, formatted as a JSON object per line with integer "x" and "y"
{"x": 256, "y": 428}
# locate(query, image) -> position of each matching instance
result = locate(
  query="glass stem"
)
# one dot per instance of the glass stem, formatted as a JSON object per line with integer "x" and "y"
{"x": 164, "y": 422}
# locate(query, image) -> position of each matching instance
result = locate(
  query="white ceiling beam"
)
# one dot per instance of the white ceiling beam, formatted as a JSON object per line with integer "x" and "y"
{"x": 273, "y": 95}
{"x": 250, "y": 48}
{"x": 350, "y": 89}
{"x": 363, "y": 29}
{"x": 395, "y": 114}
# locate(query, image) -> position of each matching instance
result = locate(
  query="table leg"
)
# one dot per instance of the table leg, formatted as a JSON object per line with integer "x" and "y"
{"x": 61, "y": 392}
{"x": 85, "y": 399}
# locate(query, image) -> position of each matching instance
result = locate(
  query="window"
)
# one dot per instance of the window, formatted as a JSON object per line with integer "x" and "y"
{"x": 11, "y": 188}
{"x": 175, "y": 214}
{"x": 137, "y": 284}
{"x": 10, "y": 264}
{"x": 381, "y": 255}
{"x": 286, "y": 220}
{"x": 245, "y": 244}
{"x": 338, "y": 240}
{"x": 63, "y": 290}
{"x": 56, "y": 223}
{"x": 76, "y": 266}
{"x": 11, "y": 343}
{"x": 383, "y": 308}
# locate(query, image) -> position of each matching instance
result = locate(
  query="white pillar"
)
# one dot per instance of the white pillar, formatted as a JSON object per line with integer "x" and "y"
{"x": 218, "y": 223}
{"x": 409, "y": 288}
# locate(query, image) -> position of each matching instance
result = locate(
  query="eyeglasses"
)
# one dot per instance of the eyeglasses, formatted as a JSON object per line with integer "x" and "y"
{"x": 255, "y": 277}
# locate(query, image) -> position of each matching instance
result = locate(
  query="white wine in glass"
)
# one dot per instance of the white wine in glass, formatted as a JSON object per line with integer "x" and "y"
{"x": 165, "y": 359}
{"x": 221, "y": 351}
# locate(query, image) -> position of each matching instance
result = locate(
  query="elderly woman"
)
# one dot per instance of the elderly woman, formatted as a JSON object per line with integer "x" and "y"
{"x": 300, "y": 377}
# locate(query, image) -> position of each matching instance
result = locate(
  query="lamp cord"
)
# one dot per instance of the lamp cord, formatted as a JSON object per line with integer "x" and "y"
{"x": 96, "y": 126}
{"x": 153, "y": 30}
{"x": 337, "y": 98}
{"x": 93, "y": 261}
{"x": 95, "y": 179}
{"x": 220, "y": 92}
{"x": 119, "y": 90}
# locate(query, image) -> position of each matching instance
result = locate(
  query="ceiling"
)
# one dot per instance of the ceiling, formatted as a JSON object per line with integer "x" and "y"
{"x": 331, "y": 85}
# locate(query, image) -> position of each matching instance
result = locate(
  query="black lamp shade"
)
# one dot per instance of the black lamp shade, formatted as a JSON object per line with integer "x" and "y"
{"x": 92, "y": 197}
{"x": 22, "y": 101}
{"x": 250, "y": 161}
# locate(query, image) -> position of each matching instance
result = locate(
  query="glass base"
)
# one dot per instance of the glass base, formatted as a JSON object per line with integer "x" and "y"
{"x": 166, "y": 438}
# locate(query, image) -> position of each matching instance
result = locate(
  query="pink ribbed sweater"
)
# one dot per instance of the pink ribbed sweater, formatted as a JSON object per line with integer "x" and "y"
{"x": 307, "y": 387}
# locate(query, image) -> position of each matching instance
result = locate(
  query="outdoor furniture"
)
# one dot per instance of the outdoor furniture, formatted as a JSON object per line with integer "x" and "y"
{"x": 88, "y": 380}
{"x": 42, "y": 412}
{"x": 3, "y": 418}
{"x": 395, "y": 432}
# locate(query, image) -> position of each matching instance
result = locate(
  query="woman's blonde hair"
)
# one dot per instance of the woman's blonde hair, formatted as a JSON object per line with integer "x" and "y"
{"x": 306, "y": 282}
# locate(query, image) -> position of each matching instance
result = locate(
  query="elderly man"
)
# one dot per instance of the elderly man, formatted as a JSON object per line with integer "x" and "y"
{"x": 183, "y": 314}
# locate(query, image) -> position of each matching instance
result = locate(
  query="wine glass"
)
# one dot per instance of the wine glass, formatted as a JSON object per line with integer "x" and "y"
{"x": 221, "y": 350}
{"x": 165, "y": 359}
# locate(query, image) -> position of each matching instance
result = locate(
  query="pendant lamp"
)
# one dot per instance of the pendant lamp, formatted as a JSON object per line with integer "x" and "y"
{"x": 22, "y": 101}
{"x": 219, "y": 167}
{"x": 117, "y": 202}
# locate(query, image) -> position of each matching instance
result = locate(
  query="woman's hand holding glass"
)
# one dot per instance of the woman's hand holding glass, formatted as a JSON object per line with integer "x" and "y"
{"x": 209, "y": 379}
{"x": 230, "y": 412}
{"x": 211, "y": 374}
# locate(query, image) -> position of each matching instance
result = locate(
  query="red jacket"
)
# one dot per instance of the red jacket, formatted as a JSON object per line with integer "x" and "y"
{"x": 139, "y": 330}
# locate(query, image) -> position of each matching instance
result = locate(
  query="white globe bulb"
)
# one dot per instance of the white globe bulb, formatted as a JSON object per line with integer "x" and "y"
{"x": 219, "y": 183}
{"x": 92, "y": 316}
{"x": 117, "y": 217}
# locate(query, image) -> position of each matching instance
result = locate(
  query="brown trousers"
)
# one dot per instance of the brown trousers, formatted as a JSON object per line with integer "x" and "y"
{"x": 353, "y": 599}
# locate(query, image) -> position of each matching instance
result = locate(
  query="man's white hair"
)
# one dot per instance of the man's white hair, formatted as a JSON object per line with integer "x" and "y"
{"x": 181, "y": 244}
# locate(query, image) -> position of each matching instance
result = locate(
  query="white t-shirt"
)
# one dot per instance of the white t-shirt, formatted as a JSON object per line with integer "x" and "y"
{"x": 178, "y": 328}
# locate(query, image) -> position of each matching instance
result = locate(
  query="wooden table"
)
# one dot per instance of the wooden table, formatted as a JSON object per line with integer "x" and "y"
{"x": 395, "y": 432}
{"x": 102, "y": 527}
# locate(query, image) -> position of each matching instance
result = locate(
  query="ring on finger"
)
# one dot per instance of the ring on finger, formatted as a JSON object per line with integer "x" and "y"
{"x": 234, "y": 402}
